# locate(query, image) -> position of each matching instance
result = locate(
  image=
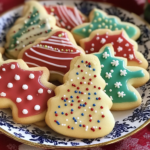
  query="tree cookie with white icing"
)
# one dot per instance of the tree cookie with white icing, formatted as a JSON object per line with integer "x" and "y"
{"x": 25, "y": 90}
{"x": 54, "y": 52}
{"x": 34, "y": 23}
{"x": 121, "y": 79}
{"x": 81, "y": 109}
{"x": 122, "y": 44}
{"x": 66, "y": 16}
{"x": 100, "y": 20}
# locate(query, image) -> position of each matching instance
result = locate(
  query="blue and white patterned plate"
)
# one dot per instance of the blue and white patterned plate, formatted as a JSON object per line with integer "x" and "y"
{"x": 127, "y": 122}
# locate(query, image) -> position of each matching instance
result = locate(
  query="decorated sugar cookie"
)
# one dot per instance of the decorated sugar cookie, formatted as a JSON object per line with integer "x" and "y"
{"x": 54, "y": 52}
{"x": 100, "y": 20}
{"x": 66, "y": 17}
{"x": 122, "y": 44}
{"x": 34, "y": 23}
{"x": 80, "y": 108}
{"x": 121, "y": 79}
{"x": 24, "y": 90}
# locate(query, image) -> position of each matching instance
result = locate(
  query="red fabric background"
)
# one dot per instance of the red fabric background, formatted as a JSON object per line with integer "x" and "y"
{"x": 139, "y": 141}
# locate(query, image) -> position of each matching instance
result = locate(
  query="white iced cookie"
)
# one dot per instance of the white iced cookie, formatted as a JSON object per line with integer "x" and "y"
{"x": 80, "y": 108}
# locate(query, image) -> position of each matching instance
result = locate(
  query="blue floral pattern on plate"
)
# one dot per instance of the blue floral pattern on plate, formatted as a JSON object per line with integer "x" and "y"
{"x": 124, "y": 121}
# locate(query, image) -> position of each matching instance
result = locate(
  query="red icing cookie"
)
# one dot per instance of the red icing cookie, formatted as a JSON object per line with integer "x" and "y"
{"x": 123, "y": 45}
{"x": 66, "y": 17}
{"x": 54, "y": 52}
{"x": 24, "y": 90}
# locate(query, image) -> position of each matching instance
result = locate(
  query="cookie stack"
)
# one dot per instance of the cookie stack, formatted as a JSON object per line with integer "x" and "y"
{"x": 95, "y": 59}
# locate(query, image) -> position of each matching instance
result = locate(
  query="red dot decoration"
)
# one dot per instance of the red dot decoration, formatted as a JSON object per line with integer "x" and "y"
{"x": 99, "y": 128}
{"x": 81, "y": 70}
{"x": 68, "y": 127}
{"x": 101, "y": 107}
{"x": 103, "y": 116}
{"x": 99, "y": 88}
{"x": 83, "y": 125}
{"x": 66, "y": 114}
{"x": 92, "y": 109}
{"x": 95, "y": 76}
{"x": 68, "y": 90}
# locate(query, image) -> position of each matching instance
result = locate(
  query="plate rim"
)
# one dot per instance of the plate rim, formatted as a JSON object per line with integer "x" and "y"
{"x": 86, "y": 146}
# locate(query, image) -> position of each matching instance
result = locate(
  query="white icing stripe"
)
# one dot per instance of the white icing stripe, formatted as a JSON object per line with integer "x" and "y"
{"x": 60, "y": 38}
{"x": 56, "y": 72}
{"x": 61, "y": 13}
{"x": 68, "y": 16}
{"x": 61, "y": 66}
{"x": 32, "y": 64}
{"x": 60, "y": 41}
{"x": 48, "y": 56}
{"x": 52, "y": 43}
{"x": 77, "y": 15}
{"x": 73, "y": 17}
{"x": 58, "y": 51}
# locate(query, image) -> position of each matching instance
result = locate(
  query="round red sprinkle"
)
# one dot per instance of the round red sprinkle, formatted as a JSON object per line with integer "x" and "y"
{"x": 90, "y": 120}
{"x": 14, "y": 31}
{"x": 45, "y": 31}
{"x": 71, "y": 104}
{"x": 83, "y": 125}
{"x": 94, "y": 76}
{"x": 54, "y": 120}
{"x": 66, "y": 98}
{"x": 62, "y": 98}
{"x": 78, "y": 66}
{"x": 79, "y": 107}
{"x": 99, "y": 128}
{"x": 15, "y": 49}
{"x": 71, "y": 112}
{"x": 92, "y": 109}
{"x": 66, "y": 114}
{"x": 87, "y": 89}
{"x": 88, "y": 83}
{"x": 86, "y": 61}
{"x": 89, "y": 63}
{"x": 80, "y": 82}
{"x": 83, "y": 77}
{"x": 69, "y": 127}
{"x": 81, "y": 92}
{"x": 77, "y": 97}
{"x": 78, "y": 101}
{"x": 90, "y": 115}
{"x": 85, "y": 103}
{"x": 56, "y": 114}
{"x": 99, "y": 98}
{"x": 68, "y": 90}
{"x": 90, "y": 79}
{"x": 81, "y": 70}
{"x": 103, "y": 116}
{"x": 33, "y": 28}
{"x": 94, "y": 86}
{"x": 78, "y": 88}
{"x": 101, "y": 107}
{"x": 99, "y": 88}
{"x": 93, "y": 129}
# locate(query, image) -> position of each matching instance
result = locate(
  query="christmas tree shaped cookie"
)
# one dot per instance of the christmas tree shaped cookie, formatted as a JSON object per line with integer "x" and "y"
{"x": 100, "y": 20}
{"x": 24, "y": 90}
{"x": 66, "y": 17}
{"x": 81, "y": 108}
{"x": 122, "y": 44}
{"x": 54, "y": 52}
{"x": 121, "y": 79}
{"x": 34, "y": 23}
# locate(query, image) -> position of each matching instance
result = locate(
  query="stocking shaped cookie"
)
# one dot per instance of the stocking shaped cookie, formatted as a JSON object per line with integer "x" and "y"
{"x": 66, "y": 17}
{"x": 81, "y": 108}
{"x": 54, "y": 52}
{"x": 24, "y": 90}
{"x": 121, "y": 79}
{"x": 35, "y": 22}
{"x": 122, "y": 44}
{"x": 100, "y": 20}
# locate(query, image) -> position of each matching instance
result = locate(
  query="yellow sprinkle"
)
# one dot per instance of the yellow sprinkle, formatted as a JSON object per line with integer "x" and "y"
{"x": 95, "y": 20}
{"x": 84, "y": 30}
{"x": 52, "y": 9}
{"x": 127, "y": 27}
{"x": 46, "y": 46}
{"x": 110, "y": 21}
{"x": 62, "y": 50}
{"x": 97, "y": 14}
{"x": 99, "y": 19}
{"x": 116, "y": 29}
{"x": 60, "y": 35}
{"x": 106, "y": 27}
{"x": 99, "y": 25}
{"x": 89, "y": 30}
{"x": 110, "y": 26}
{"x": 103, "y": 24}
{"x": 66, "y": 50}
{"x": 55, "y": 48}
{"x": 71, "y": 50}
{"x": 40, "y": 45}
{"x": 115, "y": 24}
{"x": 91, "y": 25}
{"x": 106, "y": 20}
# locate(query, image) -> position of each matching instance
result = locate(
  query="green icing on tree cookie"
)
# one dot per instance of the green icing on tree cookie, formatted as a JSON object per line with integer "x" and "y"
{"x": 116, "y": 75}
{"x": 102, "y": 21}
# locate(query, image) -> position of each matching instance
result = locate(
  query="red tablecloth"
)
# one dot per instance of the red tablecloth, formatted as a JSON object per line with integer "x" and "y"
{"x": 138, "y": 141}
